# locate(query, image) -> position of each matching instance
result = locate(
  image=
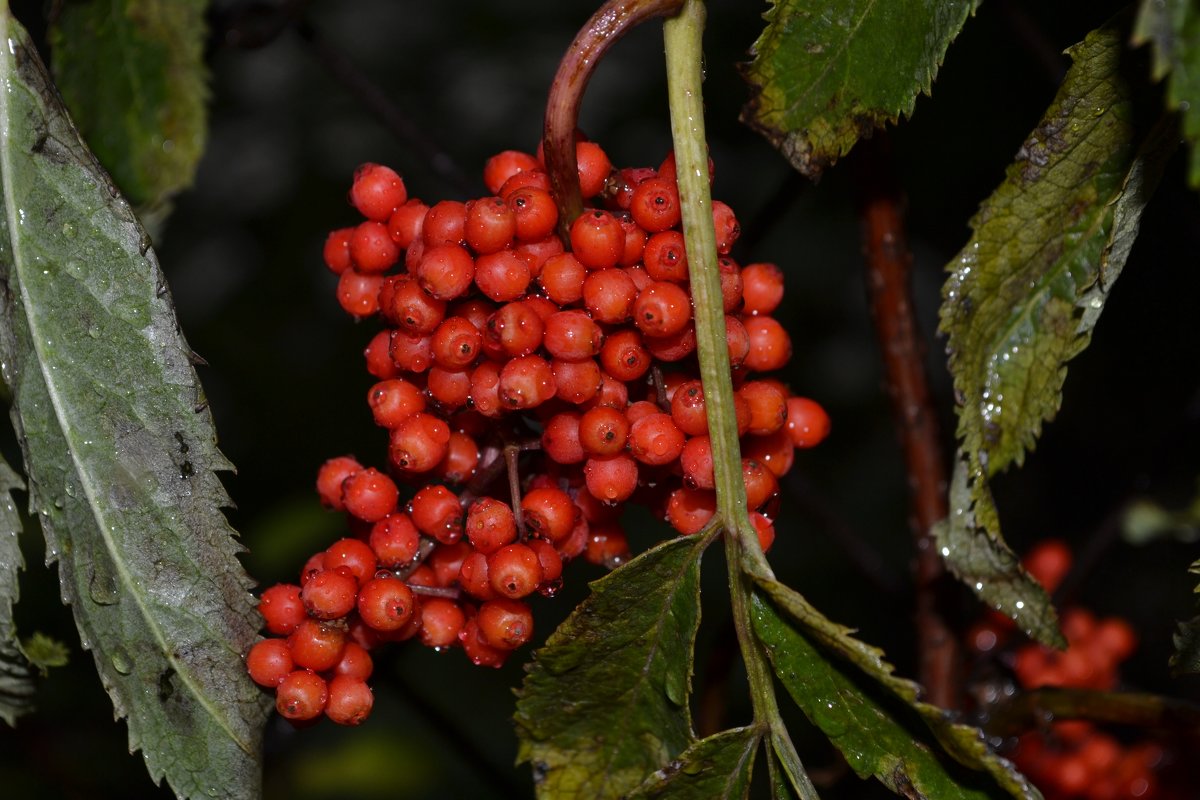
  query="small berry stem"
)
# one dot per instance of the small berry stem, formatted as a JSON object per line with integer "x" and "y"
{"x": 446, "y": 592}
{"x": 612, "y": 21}
{"x": 512, "y": 456}
{"x": 683, "y": 35}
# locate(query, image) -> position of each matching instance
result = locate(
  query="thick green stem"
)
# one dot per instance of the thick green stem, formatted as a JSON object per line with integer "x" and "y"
{"x": 683, "y": 35}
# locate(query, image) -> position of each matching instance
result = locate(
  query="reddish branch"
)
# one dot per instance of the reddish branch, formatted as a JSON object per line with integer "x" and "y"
{"x": 889, "y": 288}
{"x": 614, "y": 19}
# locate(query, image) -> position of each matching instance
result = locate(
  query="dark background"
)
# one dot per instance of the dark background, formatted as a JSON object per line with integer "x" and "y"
{"x": 287, "y": 385}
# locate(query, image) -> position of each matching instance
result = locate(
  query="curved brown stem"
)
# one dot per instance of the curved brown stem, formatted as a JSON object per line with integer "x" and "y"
{"x": 889, "y": 287}
{"x": 612, "y": 21}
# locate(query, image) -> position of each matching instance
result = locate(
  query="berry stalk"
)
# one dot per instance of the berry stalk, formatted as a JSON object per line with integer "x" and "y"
{"x": 612, "y": 21}
{"x": 683, "y": 42}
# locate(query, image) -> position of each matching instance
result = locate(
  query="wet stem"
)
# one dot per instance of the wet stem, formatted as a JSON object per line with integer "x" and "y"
{"x": 745, "y": 559}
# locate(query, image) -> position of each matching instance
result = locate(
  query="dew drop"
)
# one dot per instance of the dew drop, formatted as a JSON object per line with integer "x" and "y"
{"x": 121, "y": 661}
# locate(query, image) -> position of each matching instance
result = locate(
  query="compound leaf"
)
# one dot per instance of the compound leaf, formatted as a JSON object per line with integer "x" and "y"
{"x": 874, "y": 717}
{"x": 119, "y": 448}
{"x": 716, "y": 768}
{"x": 1173, "y": 27}
{"x": 1024, "y": 295}
{"x": 16, "y": 682}
{"x": 132, "y": 74}
{"x": 605, "y": 701}
{"x": 817, "y": 82}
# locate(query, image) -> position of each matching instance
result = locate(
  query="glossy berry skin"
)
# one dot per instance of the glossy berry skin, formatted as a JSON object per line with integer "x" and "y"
{"x": 316, "y": 645}
{"x": 662, "y": 309}
{"x": 549, "y": 512}
{"x": 436, "y": 512}
{"x": 377, "y": 191}
{"x": 394, "y": 540}
{"x": 349, "y": 700}
{"x": 302, "y": 695}
{"x": 330, "y": 593}
{"x": 490, "y": 524}
{"x": 770, "y": 345}
{"x": 385, "y": 603}
{"x": 807, "y": 422}
{"x": 269, "y": 662}
{"x": 655, "y": 439}
{"x": 441, "y": 621}
{"x": 655, "y": 205}
{"x": 354, "y": 555}
{"x": 393, "y": 401}
{"x": 603, "y": 431}
{"x": 514, "y": 571}
{"x": 369, "y": 494}
{"x": 505, "y": 623}
{"x": 282, "y": 609}
{"x": 597, "y": 239}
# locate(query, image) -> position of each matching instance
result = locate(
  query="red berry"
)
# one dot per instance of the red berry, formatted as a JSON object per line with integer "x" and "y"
{"x": 281, "y": 608}
{"x": 655, "y": 204}
{"x": 560, "y": 438}
{"x": 603, "y": 431}
{"x": 317, "y": 645}
{"x": 405, "y": 223}
{"x": 394, "y": 540}
{"x": 445, "y": 271}
{"x": 689, "y": 510}
{"x": 350, "y": 700}
{"x": 514, "y": 571}
{"x": 436, "y": 512}
{"x": 593, "y": 167}
{"x": 611, "y": 478}
{"x": 441, "y": 621}
{"x": 572, "y": 336}
{"x": 505, "y": 623}
{"x": 302, "y": 695}
{"x": 337, "y": 250}
{"x": 807, "y": 422}
{"x": 419, "y": 443}
{"x": 358, "y": 293}
{"x": 654, "y": 439}
{"x": 329, "y": 594}
{"x": 502, "y": 166}
{"x": 597, "y": 239}
{"x": 393, "y": 401}
{"x": 770, "y": 345}
{"x": 608, "y": 295}
{"x": 549, "y": 513}
{"x": 490, "y": 524}
{"x": 490, "y": 225}
{"x": 662, "y": 309}
{"x": 353, "y": 554}
{"x": 385, "y": 603}
{"x": 444, "y": 223}
{"x": 269, "y": 662}
{"x": 377, "y": 191}
{"x": 369, "y": 494}
{"x": 762, "y": 288}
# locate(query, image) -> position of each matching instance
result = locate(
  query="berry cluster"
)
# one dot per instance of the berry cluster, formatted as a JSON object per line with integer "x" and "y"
{"x": 1075, "y": 759}
{"x": 504, "y": 354}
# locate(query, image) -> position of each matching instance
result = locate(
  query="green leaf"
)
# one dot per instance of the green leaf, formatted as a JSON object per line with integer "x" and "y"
{"x": 16, "y": 683}
{"x": 716, "y": 768}
{"x": 133, "y": 76}
{"x": 605, "y": 702}
{"x": 1024, "y": 295}
{"x": 1186, "y": 658}
{"x": 45, "y": 652}
{"x": 818, "y": 84}
{"x": 827, "y": 665}
{"x": 1173, "y": 27}
{"x": 119, "y": 448}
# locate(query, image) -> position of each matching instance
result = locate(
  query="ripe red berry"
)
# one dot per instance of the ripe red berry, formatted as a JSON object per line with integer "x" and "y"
{"x": 562, "y": 279}
{"x": 353, "y": 554}
{"x": 526, "y": 382}
{"x": 358, "y": 293}
{"x": 405, "y": 223}
{"x": 419, "y": 443}
{"x": 560, "y": 438}
{"x": 807, "y": 422}
{"x": 655, "y": 205}
{"x": 662, "y": 309}
{"x": 393, "y": 401}
{"x": 572, "y": 335}
{"x": 302, "y": 695}
{"x": 281, "y": 608}
{"x": 502, "y": 166}
{"x": 611, "y": 478}
{"x": 597, "y": 239}
{"x": 514, "y": 571}
{"x": 269, "y": 662}
{"x": 689, "y": 510}
{"x": 603, "y": 431}
{"x": 441, "y": 621}
{"x": 576, "y": 382}
{"x": 369, "y": 494}
{"x": 624, "y": 356}
{"x": 350, "y": 700}
{"x": 372, "y": 249}
{"x": 550, "y": 513}
{"x": 377, "y": 191}
{"x": 329, "y": 594}
{"x": 762, "y": 288}
{"x": 337, "y": 250}
{"x": 593, "y": 167}
{"x": 505, "y": 623}
{"x": 394, "y": 540}
{"x": 665, "y": 257}
{"x": 536, "y": 213}
{"x": 654, "y": 439}
{"x": 608, "y": 295}
{"x": 490, "y": 524}
{"x": 445, "y": 271}
{"x": 490, "y": 225}
{"x": 444, "y": 223}
{"x": 317, "y": 645}
{"x": 385, "y": 603}
{"x": 768, "y": 406}
{"x": 502, "y": 276}
{"x": 696, "y": 461}
{"x": 436, "y": 512}
{"x": 770, "y": 345}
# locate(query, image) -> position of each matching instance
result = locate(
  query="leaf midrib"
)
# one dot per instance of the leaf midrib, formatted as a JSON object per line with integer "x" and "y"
{"x": 57, "y": 402}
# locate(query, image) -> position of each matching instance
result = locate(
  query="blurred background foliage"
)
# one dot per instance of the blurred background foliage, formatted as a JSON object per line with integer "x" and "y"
{"x": 285, "y": 378}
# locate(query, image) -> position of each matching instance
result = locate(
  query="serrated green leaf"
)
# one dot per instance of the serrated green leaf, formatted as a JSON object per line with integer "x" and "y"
{"x": 119, "y": 448}
{"x": 818, "y": 84}
{"x": 840, "y": 658}
{"x": 132, "y": 74}
{"x": 716, "y": 768}
{"x": 16, "y": 683}
{"x": 1173, "y": 27}
{"x": 1024, "y": 295}
{"x": 605, "y": 702}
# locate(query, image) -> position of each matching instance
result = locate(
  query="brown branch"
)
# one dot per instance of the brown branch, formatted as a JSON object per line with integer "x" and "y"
{"x": 612, "y": 21}
{"x": 889, "y": 288}
{"x": 1030, "y": 710}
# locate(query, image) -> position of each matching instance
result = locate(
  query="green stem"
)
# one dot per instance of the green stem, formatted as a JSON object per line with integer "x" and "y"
{"x": 682, "y": 35}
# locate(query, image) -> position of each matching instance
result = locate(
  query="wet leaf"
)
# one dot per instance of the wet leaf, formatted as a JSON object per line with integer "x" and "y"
{"x": 825, "y": 663}
{"x": 716, "y": 768}
{"x": 16, "y": 683}
{"x": 1173, "y": 28}
{"x": 119, "y": 448}
{"x": 133, "y": 76}
{"x": 1024, "y": 295}
{"x": 818, "y": 84}
{"x": 605, "y": 702}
